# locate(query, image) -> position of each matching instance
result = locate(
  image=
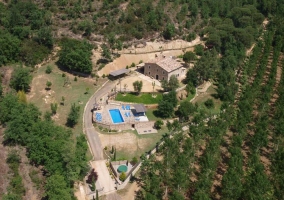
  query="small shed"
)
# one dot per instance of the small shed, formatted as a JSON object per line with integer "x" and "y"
{"x": 119, "y": 73}
{"x": 140, "y": 109}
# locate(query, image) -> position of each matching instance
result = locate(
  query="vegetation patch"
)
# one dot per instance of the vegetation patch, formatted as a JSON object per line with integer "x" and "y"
{"x": 142, "y": 98}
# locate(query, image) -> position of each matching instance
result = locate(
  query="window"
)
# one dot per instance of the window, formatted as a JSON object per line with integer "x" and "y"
{"x": 149, "y": 66}
{"x": 149, "y": 73}
{"x": 163, "y": 72}
{"x": 163, "y": 78}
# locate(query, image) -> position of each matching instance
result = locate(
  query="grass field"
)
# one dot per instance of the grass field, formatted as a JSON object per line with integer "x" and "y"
{"x": 129, "y": 144}
{"x": 209, "y": 95}
{"x": 75, "y": 92}
{"x": 142, "y": 98}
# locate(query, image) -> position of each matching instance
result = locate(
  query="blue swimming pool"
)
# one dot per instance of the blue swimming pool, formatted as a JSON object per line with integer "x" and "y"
{"x": 116, "y": 116}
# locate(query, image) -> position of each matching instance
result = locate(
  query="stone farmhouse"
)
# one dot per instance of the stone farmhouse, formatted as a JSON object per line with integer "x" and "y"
{"x": 162, "y": 68}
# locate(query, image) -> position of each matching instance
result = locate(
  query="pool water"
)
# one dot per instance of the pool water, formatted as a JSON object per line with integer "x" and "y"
{"x": 116, "y": 116}
{"x": 122, "y": 168}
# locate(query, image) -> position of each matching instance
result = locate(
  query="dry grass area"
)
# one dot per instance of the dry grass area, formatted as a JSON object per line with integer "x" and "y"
{"x": 144, "y": 53}
{"x": 73, "y": 92}
{"x": 129, "y": 144}
{"x": 209, "y": 94}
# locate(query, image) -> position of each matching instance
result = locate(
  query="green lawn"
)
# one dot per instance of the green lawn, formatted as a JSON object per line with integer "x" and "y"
{"x": 151, "y": 116}
{"x": 142, "y": 98}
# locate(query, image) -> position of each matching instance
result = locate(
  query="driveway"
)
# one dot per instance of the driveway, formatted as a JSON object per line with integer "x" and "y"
{"x": 104, "y": 178}
{"x": 92, "y": 135}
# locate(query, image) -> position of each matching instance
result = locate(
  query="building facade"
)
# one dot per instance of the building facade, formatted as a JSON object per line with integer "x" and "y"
{"x": 162, "y": 68}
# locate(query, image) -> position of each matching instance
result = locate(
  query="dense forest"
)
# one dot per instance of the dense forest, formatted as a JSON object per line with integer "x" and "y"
{"x": 236, "y": 155}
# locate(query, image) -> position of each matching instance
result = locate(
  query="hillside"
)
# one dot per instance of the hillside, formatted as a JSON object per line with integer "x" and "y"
{"x": 236, "y": 147}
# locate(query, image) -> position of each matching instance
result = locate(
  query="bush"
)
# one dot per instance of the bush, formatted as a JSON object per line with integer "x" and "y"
{"x": 63, "y": 75}
{"x": 73, "y": 116}
{"x": 134, "y": 161}
{"x": 75, "y": 78}
{"x": 158, "y": 124}
{"x": 209, "y": 103}
{"x": 48, "y": 69}
{"x": 122, "y": 176}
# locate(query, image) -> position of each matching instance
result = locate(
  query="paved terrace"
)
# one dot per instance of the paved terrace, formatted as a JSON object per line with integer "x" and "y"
{"x": 106, "y": 117}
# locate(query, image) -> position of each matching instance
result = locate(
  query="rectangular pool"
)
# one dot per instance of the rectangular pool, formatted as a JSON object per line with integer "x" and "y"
{"x": 116, "y": 116}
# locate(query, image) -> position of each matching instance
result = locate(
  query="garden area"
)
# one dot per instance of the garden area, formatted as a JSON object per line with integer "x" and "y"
{"x": 145, "y": 98}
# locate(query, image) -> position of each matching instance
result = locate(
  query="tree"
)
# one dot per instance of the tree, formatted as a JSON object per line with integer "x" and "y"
{"x": 48, "y": 84}
{"x": 209, "y": 103}
{"x": 192, "y": 77}
{"x": 165, "y": 109}
{"x": 21, "y": 79}
{"x": 173, "y": 83}
{"x": 198, "y": 49}
{"x": 73, "y": 116}
{"x": 10, "y": 48}
{"x": 158, "y": 124}
{"x": 53, "y": 107}
{"x": 189, "y": 56}
{"x": 171, "y": 97}
{"x": 76, "y": 55}
{"x": 22, "y": 97}
{"x": 44, "y": 37}
{"x": 56, "y": 188}
{"x": 106, "y": 52}
{"x": 48, "y": 69}
{"x": 153, "y": 85}
{"x": 125, "y": 87}
{"x": 97, "y": 195}
{"x": 170, "y": 85}
{"x": 62, "y": 100}
{"x": 185, "y": 109}
{"x": 138, "y": 86}
{"x": 92, "y": 178}
{"x": 169, "y": 32}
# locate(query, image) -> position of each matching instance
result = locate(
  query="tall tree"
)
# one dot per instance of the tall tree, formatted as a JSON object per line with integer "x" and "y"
{"x": 73, "y": 116}
{"x": 138, "y": 86}
{"x": 21, "y": 79}
{"x": 56, "y": 188}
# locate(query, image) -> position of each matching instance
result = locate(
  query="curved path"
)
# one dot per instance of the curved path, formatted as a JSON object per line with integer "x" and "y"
{"x": 92, "y": 136}
{"x": 104, "y": 179}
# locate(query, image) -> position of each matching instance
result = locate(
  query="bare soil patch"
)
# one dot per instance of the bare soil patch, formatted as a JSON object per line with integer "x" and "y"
{"x": 129, "y": 145}
{"x": 146, "y": 52}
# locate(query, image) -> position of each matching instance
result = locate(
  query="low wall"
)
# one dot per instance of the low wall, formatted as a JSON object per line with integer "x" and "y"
{"x": 126, "y": 126}
{"x": 129, "y": 176}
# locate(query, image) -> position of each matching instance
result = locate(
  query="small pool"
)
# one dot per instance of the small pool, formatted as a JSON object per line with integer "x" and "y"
{"x": 116, "y": 116}
{"x": 122, "y": 168}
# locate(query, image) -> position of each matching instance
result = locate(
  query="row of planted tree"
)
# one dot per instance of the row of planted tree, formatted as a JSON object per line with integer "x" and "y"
{"x": 187, "y": 164}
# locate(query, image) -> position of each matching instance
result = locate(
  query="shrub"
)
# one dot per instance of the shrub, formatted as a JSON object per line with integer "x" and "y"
{"x": 132, "y": 64}
{"x": 63, "y": 75}
{"x": 53, "y": 107}
{"x": 75, "y": 78}
{"x": 209, "y": 103}
{"x": 122, "y": 176}
{"x": 158, "y": 124}
{"x": 134, "y": 161}
{"x": 48, "y": 69}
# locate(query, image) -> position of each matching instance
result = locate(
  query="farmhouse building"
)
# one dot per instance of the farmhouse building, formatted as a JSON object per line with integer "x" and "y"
{"x": 162, "y": 68}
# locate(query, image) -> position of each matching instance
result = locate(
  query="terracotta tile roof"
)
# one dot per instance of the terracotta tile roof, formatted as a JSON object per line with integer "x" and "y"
{"x": 167, "y": 63}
